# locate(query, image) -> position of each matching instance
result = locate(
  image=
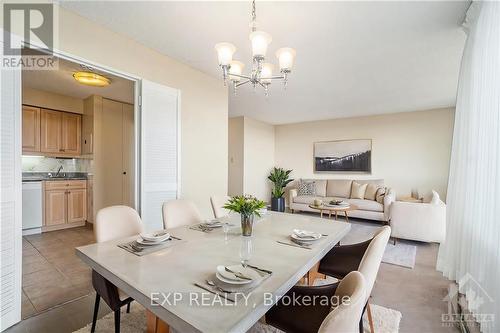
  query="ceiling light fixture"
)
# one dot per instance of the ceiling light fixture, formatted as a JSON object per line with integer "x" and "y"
{"x": 262, "y": 73}
{"x": 91, "y": 79}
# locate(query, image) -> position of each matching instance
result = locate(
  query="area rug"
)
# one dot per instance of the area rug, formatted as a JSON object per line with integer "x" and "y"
{"x": 401, "y": 254}
{"x": 385, "y": 320}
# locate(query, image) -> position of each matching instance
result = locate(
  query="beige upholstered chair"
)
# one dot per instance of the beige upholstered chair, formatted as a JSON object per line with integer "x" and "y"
{"x": 217, "y": 205}
{"x": 346, "y": 315}
{"x": 113, "y": 223}
{"x": 179, "y": 212}
{"x": 116, "y": 222}
{"x": 370, "y": 263}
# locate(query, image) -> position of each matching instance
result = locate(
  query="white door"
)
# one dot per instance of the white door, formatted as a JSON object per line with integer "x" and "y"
{"x": 159, "y": 156}
{"x": 10, "y": 195}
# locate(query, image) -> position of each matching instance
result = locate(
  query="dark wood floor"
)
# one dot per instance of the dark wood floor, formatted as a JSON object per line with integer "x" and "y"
{"x": 52, "y": 273}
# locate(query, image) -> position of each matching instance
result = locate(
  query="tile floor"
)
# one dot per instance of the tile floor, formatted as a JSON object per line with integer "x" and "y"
{"x": 52, "y": 273}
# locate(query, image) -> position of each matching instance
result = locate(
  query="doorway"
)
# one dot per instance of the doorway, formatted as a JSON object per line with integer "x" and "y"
{"x": 78, "y": 156}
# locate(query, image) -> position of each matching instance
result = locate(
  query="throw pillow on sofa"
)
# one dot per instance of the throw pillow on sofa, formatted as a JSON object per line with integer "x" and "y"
{"x": 371, "y": 191}
{"x": 358, "y": 190}
{"x": 306, "y": 188}
{"x": 380, "y": 195}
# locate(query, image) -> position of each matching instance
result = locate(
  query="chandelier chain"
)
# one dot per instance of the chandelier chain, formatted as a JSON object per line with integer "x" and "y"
{"x": 254, "y": 14}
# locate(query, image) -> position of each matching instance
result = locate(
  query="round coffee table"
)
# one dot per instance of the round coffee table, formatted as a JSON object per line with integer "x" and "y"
{"x": 334, "y": 209}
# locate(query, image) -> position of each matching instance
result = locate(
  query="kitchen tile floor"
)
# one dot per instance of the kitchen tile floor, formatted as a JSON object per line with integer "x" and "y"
{"x": 52, "y": 273}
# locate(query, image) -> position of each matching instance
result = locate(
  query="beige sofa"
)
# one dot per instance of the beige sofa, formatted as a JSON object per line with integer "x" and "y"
{"x": 340, "y": 189}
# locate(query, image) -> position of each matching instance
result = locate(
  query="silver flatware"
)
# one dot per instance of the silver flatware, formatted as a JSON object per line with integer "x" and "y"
{"x": 212, "y": 283}
{"x": 176, "y": 238}
{"x": 260, "y": 269}
{"x": 238, "y": 274}
{"x": 295, "y": 245}
{"x": 211, "y": 291}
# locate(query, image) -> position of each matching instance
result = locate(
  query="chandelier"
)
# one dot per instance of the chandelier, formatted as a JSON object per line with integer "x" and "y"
{"x": 262, "y": 72}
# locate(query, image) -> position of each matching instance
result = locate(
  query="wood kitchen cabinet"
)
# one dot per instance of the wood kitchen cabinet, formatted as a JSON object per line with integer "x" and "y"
{"x": 60, "y": 133}
{"x": 50, "y": 131}
{"x": 31, "y": 129}
{"x": 65, "y": 204}
{"x": 55, "y": 207}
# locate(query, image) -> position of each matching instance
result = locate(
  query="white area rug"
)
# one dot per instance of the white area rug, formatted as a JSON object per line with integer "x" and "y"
{"x": 401, "y": 254}
{"x": 384, "y": 321}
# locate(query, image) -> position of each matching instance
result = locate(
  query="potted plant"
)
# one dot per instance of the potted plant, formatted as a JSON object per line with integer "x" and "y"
{"x": 247, "y": 206}
{"x": 280, "y": 178}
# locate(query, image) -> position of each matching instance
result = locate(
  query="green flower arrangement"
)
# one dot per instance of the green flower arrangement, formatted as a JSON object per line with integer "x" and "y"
{"x": 247, "y": 206}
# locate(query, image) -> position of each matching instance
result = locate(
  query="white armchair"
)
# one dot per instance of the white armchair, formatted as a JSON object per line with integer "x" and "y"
{"x": 424, "y": 222}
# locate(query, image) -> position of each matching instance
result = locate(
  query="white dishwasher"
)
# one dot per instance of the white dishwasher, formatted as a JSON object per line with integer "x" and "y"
{"x": 32, "y": 208}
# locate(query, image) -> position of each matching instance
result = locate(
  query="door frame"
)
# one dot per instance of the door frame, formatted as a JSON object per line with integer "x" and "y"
{"x": 137, "y": 105}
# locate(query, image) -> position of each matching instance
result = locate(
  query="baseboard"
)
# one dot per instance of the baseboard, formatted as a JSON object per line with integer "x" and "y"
{"x": 63, "y": 226}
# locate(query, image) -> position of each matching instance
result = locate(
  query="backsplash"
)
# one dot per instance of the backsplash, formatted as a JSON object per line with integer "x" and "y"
{"x": 49, "y": 164}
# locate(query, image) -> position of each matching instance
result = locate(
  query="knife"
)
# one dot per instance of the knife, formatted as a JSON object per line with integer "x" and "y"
{"x": 295, "y": 245}
{"x": 212, "y": 291}
{"x": 260, "y": 269}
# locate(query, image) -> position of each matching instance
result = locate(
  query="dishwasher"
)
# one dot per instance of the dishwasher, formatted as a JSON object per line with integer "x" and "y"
{"x": 32, "y": 208}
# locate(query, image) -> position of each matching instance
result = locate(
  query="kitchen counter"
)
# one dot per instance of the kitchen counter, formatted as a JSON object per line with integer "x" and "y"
{"x": 41, "y": 176}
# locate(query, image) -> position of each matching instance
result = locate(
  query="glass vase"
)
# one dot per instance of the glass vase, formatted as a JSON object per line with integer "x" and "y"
{"x": 246, "y": 225}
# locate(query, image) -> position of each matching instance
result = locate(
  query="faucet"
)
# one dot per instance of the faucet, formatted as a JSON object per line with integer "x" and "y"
{"x": 58, "y": 171}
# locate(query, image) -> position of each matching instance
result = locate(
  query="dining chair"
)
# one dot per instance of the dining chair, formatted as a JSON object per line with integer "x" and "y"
{"x": 364, "y": 257}
{"x": 113, "y": 223}
{"x": 218, "y": 202}
{"x": 180, "y": 212}
{"x": 337, "y": 307}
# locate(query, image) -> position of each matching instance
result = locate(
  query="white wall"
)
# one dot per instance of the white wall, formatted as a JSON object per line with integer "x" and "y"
{"x": 410, "y": 150}
{"x": 204, "y": 103}
{"x": 251, "y": 157}
{"x": 235, "y": 158}
{"x": 259, "y": 158}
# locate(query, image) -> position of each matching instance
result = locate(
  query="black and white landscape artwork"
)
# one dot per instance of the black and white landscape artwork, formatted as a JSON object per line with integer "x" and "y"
{"x": 343, "y": 156}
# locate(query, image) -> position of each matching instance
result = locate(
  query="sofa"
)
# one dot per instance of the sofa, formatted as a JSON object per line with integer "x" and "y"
{"x": 425, "y": 222}
{"x": 340, "y": 189}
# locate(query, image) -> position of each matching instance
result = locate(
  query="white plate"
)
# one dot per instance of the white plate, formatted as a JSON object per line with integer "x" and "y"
{"x": 155, "y": 236}
{"x": 230, "y": 278}
{"x": 304, "y": 235}
{"x": 145, "y": 242}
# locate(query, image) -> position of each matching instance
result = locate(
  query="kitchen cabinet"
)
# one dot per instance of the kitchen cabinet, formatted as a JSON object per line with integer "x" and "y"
{"x": 31, "y": 129}
{"x": 50, "y": 131}
{"x": 71, "y": 125}
{"x": 60, "y": 133}
{"x": 65, "y": 204}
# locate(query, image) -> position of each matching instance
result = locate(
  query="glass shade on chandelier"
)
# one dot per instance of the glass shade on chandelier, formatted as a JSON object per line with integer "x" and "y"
{"x": 260, "y": 41}
{"x": 235, "y": 70}
{"x": 285, "y": 56}
{"x": 225, "y": 53}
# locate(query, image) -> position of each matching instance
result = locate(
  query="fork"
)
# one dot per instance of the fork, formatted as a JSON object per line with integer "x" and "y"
{"x": 212, "y": 283}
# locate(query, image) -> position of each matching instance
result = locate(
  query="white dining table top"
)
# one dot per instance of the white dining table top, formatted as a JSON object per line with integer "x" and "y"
{"x": 176, "y": 269}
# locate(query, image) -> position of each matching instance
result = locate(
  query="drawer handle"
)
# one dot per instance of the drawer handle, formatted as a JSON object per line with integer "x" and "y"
{"x": 61, "y": 150}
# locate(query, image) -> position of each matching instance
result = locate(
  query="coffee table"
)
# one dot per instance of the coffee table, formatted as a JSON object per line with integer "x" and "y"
{"x": 334, "y": 209}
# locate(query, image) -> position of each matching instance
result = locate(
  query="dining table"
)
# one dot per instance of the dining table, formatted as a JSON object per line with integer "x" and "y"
{"x": 165, "y": 282}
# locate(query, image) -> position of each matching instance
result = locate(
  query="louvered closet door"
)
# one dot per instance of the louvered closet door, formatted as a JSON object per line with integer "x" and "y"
{"x": 10, "y": 196}
{"x": 159, "y": 151}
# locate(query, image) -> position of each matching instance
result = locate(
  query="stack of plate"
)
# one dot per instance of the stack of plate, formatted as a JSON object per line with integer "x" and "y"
{"x": 304, "y": 237}
{"x": 239, "y": 276}
{"x": 153, "y": 238}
